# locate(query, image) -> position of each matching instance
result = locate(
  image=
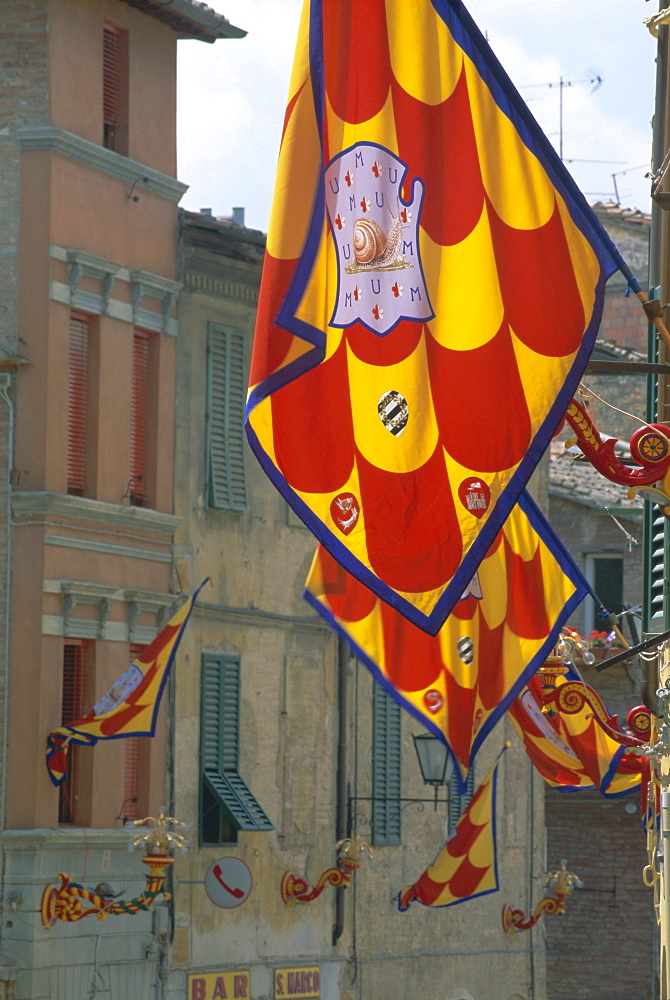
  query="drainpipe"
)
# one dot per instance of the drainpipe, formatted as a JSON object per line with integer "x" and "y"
{"x": 341, "y": 788}
{"x": 5, "y": 382}
{"x": 658, "y": 153}
{"x": 8, "y": 970}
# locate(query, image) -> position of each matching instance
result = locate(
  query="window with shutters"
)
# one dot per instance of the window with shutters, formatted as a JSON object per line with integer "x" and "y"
{"x": 136, "y": 768}
{"x": 130, "y": 770}
{"x": 115, "y": 88}
{"x": 386, "y": 755}
{"x": 72, "y": 708}
{"x": 226, "y": 803}
{"x": 458, "y": 802}
{"x": 656, "y": 608}
{"x": 226, "y": 386}
{"x": 605, "y": 574}
{"x": 77, "y": 410}
{"x": 138, "y": 420}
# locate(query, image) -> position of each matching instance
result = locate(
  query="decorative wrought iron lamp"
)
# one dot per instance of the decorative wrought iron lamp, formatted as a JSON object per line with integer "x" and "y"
{"x": 296, "y": 890}
{"x": 562, "y": 883}
{"x": 436, "y": 765}
{"x": 71, "y": 901}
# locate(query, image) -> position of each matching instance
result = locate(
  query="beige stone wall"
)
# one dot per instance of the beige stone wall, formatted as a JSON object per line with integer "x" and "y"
{"x": 258, "y": 561}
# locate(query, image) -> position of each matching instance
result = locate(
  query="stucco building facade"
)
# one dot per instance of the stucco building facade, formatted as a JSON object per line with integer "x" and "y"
{"x": 315, "y": 742}
{"x": 125, "y": 481}
{"x": 88, "y": 346}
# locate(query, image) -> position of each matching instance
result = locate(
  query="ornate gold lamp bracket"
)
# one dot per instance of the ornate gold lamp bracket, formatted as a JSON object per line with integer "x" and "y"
{"x": 72, "y": 901}
{"x": 562, "y": 883}
{"x": 296, "y": 890}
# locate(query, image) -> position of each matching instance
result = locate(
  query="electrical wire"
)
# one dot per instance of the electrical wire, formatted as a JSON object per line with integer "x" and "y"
{"x": 585, "y": 390}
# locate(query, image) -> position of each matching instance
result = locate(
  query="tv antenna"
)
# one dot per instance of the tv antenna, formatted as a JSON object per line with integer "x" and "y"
{"x": 618, "y": 174}
{"x": 594, "y": 81}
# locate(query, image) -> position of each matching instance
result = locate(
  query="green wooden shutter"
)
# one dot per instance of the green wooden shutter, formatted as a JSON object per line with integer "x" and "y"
{"x": 210, "y": 741}
{"x": 226, "y": 382}
{"x": 219, "y": 745}
{"x": 230, "y": 714}
{"x": 458, "y": 803}
{"x": 386, "y": 774}
{"x": 656, "y": 611}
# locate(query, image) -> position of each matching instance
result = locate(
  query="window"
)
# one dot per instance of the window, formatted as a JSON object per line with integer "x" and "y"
{"x": 657, "y": 556}
{"x": 605, "y": 574}
{"x": 656, "y": 608}
{"x": 77, "y": 405}
{"x": 226, "y": 382}
{"x": 386, "y": 754}
{"x": 458, "y": 803}
{"x": 136, "y": 767}
{"x": 71, "y": 710}
{"x": 115, "y": 88}
{"x": 138, "y": 420}
{"x": 130, "y": 770}
{"x": 226, "y": 804}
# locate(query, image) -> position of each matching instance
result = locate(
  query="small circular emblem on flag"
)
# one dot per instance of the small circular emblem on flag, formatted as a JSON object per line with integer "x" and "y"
{"x": 475, "y": 496}
{"x": 433, "y": 701}
{"x": 466, "y": 649}
{"x": 344, "y": 510}
{"x": 393, "y": 412}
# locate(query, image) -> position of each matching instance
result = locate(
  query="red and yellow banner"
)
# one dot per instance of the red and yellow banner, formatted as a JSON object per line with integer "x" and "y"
{"x": 460, "y": 682}
{"x": 131, "y": 706}
{"x": 466, "y": 866}
{"x": 432, "y": 290}
{"x": 571, "y": 751}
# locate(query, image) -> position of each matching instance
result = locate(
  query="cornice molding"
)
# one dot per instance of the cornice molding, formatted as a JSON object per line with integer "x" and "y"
{"x": 26, "y": 503}
{"x": 57, "y": 140}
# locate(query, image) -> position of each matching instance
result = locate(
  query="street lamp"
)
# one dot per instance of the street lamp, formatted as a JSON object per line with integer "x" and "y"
{"x": 435, "y": 761}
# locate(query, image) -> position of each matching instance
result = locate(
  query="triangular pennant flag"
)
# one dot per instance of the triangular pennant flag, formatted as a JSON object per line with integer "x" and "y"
{"x": 466, "y": 866}
{"x": 130, "y": 707}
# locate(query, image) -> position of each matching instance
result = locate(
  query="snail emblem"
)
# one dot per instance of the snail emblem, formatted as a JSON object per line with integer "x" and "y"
{"x": 369, "y": 241}
{"x": 375, "y": 234}
{"x": 373, "y": 248}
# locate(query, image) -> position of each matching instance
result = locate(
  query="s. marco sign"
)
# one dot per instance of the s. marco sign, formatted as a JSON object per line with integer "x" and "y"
{"x": 298, "y": 984}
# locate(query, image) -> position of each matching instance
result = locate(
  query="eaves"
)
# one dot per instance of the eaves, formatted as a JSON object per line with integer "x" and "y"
{"x": 189, "y": 18}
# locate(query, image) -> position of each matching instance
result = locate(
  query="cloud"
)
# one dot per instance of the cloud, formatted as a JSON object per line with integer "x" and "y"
{"x": 232, "y": 95}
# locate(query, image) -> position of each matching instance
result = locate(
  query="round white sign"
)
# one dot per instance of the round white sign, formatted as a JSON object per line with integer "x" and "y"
{"x": 228, "y": 882}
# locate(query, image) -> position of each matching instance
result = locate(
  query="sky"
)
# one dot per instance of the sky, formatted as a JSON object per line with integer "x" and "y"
{"x": 232, "y": 95}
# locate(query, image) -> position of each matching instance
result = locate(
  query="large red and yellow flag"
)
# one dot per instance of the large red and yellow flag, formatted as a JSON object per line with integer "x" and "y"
{"x": 130, "y": 707}
{"x": 466, "y": 866}
{"x": 571, "y": 751}
{"x": 432, "y": 289}
{"x": 460, "y": 682}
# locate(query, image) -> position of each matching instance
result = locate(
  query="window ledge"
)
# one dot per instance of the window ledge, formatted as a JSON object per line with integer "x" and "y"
{"x": 98, "y": 511}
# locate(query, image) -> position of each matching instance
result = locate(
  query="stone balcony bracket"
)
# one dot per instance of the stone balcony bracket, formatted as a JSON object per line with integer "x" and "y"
{"x": 85, "y": 265}
{"x": 152, "y": 286}
{"x": 86, "y": 593}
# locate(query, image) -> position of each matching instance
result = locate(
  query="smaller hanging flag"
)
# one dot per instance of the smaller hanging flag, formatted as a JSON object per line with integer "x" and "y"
{"x": 571, "y": 751}
{"x": 459, "y": 683}
{"x": 466, "y": 866}
{"x": 130, "y": 707}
